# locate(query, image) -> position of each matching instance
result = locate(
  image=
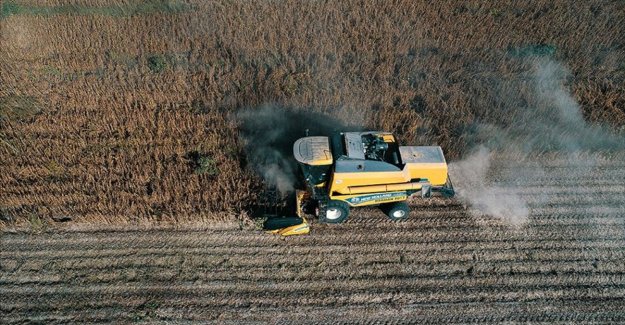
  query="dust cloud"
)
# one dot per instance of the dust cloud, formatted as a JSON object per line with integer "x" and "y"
{"x": 470, "y": 179}
{"x": 550, "y": 121}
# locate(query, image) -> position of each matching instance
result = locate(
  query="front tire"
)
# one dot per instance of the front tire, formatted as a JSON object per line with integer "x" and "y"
{"x": 333, "y": 212}
{"x": 396, "y": 211}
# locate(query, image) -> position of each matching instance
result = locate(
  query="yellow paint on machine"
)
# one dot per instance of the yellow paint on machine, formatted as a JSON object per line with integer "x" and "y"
{"x": 313, "y": 151}
{"x": 301, "y": 229}
{"x": 387, "y": 137}
{"x": 347, "y": 183}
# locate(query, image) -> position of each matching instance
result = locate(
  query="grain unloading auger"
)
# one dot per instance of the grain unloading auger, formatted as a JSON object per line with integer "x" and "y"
{"x": 354, "y": 169}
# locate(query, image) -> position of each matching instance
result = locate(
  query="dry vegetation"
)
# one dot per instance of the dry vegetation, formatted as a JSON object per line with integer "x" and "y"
{"x": 117, "y": 111}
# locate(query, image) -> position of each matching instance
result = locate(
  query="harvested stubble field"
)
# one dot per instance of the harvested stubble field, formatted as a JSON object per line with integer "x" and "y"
{"x": 445, "y": 264}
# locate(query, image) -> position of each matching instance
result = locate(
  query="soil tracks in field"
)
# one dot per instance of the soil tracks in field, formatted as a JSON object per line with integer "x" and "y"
{"x": 566, "y": 264}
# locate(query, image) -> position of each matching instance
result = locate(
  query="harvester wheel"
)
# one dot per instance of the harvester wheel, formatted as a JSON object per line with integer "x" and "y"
{"x": 448, "y": 190}
{"x": 396, "y": 211}
{"x": 334, "y": 212}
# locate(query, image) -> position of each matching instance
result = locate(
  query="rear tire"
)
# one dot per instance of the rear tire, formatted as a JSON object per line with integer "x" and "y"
{"x": 396, "y": 211}
{"x": 333, "y": 212}
{"x": 448, "y": 190}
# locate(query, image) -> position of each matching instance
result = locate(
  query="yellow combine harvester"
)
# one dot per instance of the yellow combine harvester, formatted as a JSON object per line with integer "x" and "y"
{"x": 354, "y": 169}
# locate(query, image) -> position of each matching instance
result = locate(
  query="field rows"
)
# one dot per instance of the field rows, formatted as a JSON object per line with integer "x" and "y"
{"x": 107, "y": 272}
{"x": 206, "y": 299}
{"x": 444, "y": 264}
{"x": 563, "y": 310}
{"x": 139, "y": 248}
{"x": 420, "y": 268}
{"x": 332, "y": 238}
{"x": 494, "y": 273}
{"x": 313, "y": 315}
{"x": 312, "y": 294}
{"x": 335, "y": 235}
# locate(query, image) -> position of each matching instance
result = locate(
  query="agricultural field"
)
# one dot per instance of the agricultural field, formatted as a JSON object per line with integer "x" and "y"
{"x": 139, "y": 139}
{"x": 445, "y": 264}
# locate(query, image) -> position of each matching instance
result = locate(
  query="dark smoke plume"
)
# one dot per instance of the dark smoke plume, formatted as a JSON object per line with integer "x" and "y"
{"x": 269, "y": 132}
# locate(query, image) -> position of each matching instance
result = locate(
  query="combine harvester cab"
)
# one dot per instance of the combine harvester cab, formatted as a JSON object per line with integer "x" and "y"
{"x": 354, "y": 169}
